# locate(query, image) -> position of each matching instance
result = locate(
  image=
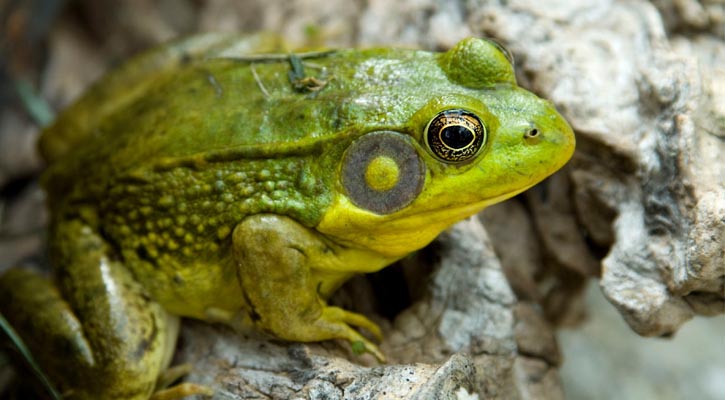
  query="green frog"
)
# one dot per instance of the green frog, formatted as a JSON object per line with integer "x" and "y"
{"x": 222, "y": 179}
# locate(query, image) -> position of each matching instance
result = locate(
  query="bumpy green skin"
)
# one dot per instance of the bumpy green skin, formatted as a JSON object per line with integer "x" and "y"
{"x": 198, "y": 184}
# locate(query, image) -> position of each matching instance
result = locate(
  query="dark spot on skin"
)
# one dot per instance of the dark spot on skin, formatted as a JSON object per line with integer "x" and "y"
{"x": 144, "y": 297}
{"x": 63, "y": 346}
{"x": 140, "y": 349}
{"x": 144, "y": 344}
{"x": 329, "y": 250}
{"x": 337, "y": 122}
{"x": 253, "y": 314}
{"x": 215, "y": 84}
{"x": 185, "y": 59}
{"x": 144, "y": 255}
{"x": 178, "y": 279}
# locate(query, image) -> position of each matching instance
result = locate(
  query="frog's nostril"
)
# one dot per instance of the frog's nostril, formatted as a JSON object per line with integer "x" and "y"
{"x": 533, "y": 136}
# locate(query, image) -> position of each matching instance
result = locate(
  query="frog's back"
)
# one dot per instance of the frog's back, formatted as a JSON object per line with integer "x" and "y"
{"x": 221, "y": 108}
{"x": 130, "y": 81}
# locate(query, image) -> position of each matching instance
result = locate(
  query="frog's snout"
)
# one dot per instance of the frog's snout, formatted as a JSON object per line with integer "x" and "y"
{"x": 548, "y": 144}
{"x": 553, "y": 132}
{"x": 563, "y": 136}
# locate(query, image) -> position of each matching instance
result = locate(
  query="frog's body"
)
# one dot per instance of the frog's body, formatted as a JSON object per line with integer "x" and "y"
{"x": 247, "y": 189}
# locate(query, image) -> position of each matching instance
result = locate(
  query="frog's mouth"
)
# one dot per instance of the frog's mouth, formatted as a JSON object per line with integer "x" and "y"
{"x": 449, "y": 215}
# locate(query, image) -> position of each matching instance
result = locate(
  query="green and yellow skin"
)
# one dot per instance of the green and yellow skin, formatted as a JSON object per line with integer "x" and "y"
{"x": 215, "y": 180}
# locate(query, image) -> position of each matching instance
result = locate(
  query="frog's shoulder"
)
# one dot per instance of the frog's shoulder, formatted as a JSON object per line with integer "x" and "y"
{"x": 127, "y": 83}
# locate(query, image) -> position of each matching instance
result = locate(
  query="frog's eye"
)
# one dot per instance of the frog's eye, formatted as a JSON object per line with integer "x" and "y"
{"x": 455, "y": 135}
{"x": 382, "y": 172}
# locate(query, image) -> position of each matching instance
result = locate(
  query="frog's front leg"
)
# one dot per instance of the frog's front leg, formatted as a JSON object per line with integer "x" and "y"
{"x": 96, "y": 333}
{"x": 275, "y": 258}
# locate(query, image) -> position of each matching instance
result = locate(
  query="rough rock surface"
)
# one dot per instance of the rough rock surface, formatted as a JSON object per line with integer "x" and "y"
{"x": 641, "y": 206}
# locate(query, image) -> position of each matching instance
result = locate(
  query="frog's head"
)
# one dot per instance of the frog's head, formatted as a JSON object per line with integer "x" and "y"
{"x": 481, "y": 142}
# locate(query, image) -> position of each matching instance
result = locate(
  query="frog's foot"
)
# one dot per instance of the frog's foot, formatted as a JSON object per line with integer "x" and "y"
{"x": 335, "y": 319}
{"x": 276, "y": 259}
{"x": 96, "y": 333}
{"x": 165, "y": 390}
{"x": 354, "y": 319}
{"x": 182, "y": 390}
{"x": 172, "y": 374}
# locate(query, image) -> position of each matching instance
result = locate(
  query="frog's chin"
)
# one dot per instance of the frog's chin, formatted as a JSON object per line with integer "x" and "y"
{"x": 417, "y": 230}
{"x": 394, "y": 236}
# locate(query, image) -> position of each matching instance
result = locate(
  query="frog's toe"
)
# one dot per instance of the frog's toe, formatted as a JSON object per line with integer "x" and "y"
{"x": 360, "y": 344}
{"x": 166, "y": 390}
{"x": 172, "y": 374}
{"x": 181, "y": 391}
{"x": 368, "y": 347}
{"x": 356, "y": 319}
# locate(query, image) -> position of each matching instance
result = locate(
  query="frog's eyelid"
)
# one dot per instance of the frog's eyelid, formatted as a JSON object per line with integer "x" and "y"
{"x": 509, "y": 56}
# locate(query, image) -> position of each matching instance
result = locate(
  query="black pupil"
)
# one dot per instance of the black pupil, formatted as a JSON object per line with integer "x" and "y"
{"x": 456, "y": 136}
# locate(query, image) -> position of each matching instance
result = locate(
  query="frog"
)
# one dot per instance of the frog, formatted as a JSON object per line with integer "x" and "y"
{"x": 226, "y": 179}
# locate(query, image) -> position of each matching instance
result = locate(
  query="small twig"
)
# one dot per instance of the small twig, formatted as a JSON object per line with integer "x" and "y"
{"x": 212, "y": 80}
{"x": 262, "y": 58}
{"x": 35, "y": 105}
{"x": 18, "y": 343}
{"x": 259, "y": 81}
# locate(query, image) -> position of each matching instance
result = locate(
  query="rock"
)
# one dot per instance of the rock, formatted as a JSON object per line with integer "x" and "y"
{"x": 23, "y": 227}
{"x": 603, "y": 359}
{"x": 18, "y": 157}
{"x": 517, "y": 246}
{"x": 693, "y": 15}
